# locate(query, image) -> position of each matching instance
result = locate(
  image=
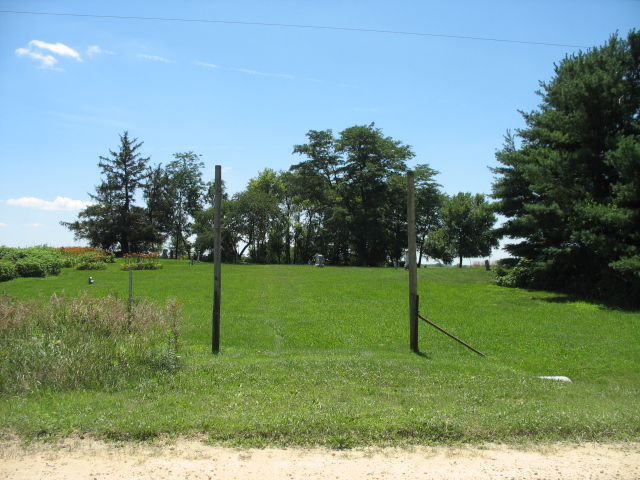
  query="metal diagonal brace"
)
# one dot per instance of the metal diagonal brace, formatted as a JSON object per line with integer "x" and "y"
{"x": 452, "y": 336}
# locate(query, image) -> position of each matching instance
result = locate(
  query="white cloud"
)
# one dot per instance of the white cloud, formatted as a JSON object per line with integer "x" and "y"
{"x": 253, "y": 72}
{"x": 58, "y": 48}
{"x": 210, "y": 65}
{"x": 155, "y": 58}
{"x": 38, "y": 50}
{"x": 95, "y": 49}
{"x": 3, "y": 225}
{"x": 60, "y": 203}
{"x": 48, "y": 61}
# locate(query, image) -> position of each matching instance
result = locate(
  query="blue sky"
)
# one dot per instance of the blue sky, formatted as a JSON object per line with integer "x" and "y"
{"x": 242, "y": 93}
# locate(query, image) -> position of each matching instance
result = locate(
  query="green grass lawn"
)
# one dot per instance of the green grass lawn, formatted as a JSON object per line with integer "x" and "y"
{"x": 313, "y": 356}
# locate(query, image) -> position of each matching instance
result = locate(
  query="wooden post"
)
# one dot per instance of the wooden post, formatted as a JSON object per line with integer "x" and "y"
{"x": 217, "y": 270}
{"x": 412, "y": 263}
{"x": 130, "y": 299}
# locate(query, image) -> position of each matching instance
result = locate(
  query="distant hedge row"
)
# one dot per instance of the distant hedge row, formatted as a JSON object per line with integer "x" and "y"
{"x": 44, "y": 261}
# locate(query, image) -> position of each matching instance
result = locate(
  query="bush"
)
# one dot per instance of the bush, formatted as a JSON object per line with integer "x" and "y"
{"x": 14, "y": 254}
{"x": 526, "y": 274}
{"x": 568, "y": 275}
{"x": 91, "y": 265}
{"x": 39, "y": 264}
{"x": 7, "y": 271}
{"x": 86, "y": 258}
{"x": 33, "y": 262}
{"x": 507, "y": 263}
{"x": 43, "y": 261}
{"x": 141, "y": 261}
{"x": 31, "y": 267}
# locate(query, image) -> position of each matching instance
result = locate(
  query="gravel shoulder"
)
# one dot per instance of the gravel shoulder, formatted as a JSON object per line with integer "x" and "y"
{"x": 185, "y": 458}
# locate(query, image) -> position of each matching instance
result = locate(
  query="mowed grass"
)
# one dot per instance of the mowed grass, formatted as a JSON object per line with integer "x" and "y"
{"x": 313, "y": 356}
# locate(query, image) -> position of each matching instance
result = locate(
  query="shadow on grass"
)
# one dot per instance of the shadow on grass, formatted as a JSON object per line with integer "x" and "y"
{"x": 423, "y": 355}
{"x": 566, "y": 298}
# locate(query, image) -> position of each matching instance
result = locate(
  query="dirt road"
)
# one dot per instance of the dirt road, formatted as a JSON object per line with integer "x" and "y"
{"x": 189, "y": 459}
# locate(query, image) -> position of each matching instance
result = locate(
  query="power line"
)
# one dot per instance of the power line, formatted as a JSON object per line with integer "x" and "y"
{"x": 286, "y": 25}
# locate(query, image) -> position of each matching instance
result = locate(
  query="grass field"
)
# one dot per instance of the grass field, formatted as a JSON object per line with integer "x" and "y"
{"x": 313, "y": 356}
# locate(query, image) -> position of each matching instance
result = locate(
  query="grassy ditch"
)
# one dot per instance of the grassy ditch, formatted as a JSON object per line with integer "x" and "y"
{"x": 83, "y": 343}
{"x": 314, "y": 356}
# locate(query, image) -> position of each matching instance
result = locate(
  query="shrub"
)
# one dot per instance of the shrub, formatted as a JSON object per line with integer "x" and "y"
{"x": 43, "y": 261}
{"x": 91, "y": 265}
{"x": 508, "y": 263}
{"x": 31, "y": 267}
{"x": 14, "y": 254}
{"x": 39, "y": 264}
{"x": 568, "y": 275}
{"x": 524, "y": 274}
{"x": 141, "y": 261}
{"x": 7, "y": 271}
{"x": 33, "y": 262}
{"x": 86, "y": 258}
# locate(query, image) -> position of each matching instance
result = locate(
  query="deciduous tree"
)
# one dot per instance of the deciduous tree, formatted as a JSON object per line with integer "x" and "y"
{"x": 467, "y": 225}
{"x": 352, "y": 192}
{"x": 185, "y": 191}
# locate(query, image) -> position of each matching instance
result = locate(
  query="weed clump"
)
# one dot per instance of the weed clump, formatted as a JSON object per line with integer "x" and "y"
{"x": 86, "y": 258}
{"x": 141, "y": 261}
{"x": 84, "y": 343}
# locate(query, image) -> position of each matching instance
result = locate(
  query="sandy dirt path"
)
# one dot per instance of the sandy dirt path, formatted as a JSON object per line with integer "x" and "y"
{"x": 188, "y": 459}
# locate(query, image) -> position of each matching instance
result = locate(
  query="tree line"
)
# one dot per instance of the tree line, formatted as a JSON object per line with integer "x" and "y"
{"x": 345, "y": 199}
{"x": 172, "y": 195}
{"x": 568, "y": 185}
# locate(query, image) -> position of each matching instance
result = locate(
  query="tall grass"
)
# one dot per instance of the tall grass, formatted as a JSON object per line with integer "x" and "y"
{"x": 314, "y": 356}
{"x": 83, "y": 343}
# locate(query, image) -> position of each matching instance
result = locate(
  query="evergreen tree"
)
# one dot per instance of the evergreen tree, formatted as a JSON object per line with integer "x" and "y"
{"x": 569, "y": 181}
{"x": 114, "y": 221}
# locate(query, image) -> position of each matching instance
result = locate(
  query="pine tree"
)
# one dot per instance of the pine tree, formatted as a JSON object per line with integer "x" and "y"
{"x": 569, "y": 182}
{"x": 114, "y": 221}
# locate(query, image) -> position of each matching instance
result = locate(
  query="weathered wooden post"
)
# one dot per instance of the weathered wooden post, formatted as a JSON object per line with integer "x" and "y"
{"x": 130, "y": 299}
{"x": 412, "y": 263}
{"x": 217, "y": 270}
